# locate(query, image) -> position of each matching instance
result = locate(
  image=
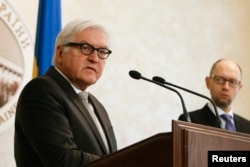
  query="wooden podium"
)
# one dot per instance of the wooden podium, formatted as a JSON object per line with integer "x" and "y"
{"x": 186, "y": 146}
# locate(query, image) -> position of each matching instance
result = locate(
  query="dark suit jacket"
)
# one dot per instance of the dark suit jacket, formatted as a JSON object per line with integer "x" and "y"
{"x": 53, "y": 127}
{"x": 205, "y": 116}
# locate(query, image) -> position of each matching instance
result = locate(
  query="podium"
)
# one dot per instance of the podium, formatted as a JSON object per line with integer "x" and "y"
{"x": 186, "y": 146}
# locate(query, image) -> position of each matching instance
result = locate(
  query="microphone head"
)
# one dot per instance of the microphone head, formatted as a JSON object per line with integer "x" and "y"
{"x": 135, "y": 74}
{"x": 159, "y": 79}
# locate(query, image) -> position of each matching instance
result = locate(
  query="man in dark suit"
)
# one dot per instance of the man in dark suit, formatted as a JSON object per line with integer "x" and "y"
{"x": 224, "y": 83}
{"x": 53, "y": 127}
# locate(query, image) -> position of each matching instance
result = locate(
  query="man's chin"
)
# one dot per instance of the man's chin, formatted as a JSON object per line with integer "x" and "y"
{"x": 91, "y": 81}
{"x": 223, "y": 104}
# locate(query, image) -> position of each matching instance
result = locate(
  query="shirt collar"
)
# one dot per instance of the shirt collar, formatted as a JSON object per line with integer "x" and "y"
{"x": 220, "y": 111}
{"x": 76, "y": 89}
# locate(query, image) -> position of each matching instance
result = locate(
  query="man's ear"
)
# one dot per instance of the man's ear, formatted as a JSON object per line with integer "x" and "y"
{"x": 59, "y": 53}
{"x": 241, "y": 85}
{"x": 207, "y": 80}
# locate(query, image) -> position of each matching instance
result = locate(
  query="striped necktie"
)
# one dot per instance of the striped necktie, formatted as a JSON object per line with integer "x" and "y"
{"x": 84, "y": 98}
{"x": 229, "y": 124}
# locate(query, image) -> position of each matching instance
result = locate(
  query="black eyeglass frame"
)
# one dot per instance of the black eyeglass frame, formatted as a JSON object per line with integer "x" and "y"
{"x": 80, "y": 45}
{"x": 231, "y": 82}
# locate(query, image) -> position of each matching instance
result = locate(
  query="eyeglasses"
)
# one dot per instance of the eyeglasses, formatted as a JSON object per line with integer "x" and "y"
{"x": 222, "y": 80}
{"x": 87, "y": 49}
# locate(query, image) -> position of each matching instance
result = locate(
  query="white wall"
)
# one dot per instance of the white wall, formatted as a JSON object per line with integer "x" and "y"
{"x": 176, "y": 39}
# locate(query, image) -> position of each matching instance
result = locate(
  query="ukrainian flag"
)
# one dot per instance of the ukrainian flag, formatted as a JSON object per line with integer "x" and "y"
{"x": 48, "y": 26}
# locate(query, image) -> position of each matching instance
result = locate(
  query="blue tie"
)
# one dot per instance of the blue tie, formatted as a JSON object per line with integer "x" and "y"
{"x": 229, "y": 123}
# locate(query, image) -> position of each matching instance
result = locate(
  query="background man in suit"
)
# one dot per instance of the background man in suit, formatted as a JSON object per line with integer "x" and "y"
{"x": 53, "y": 127}
{"x": 224, "y": 83}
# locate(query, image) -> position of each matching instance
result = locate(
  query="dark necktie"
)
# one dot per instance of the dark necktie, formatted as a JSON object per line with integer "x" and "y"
{"x": 229, "y": 123}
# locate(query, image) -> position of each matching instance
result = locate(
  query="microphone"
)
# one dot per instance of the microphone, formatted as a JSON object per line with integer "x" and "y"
{"x": 161, "y": 80}
{"x": 136, "y": 75}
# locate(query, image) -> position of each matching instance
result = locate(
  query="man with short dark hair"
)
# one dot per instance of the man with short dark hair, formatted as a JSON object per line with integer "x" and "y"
{"x": 224, "y": 83}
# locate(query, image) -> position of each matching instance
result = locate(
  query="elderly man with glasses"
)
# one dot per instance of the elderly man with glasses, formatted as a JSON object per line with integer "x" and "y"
{"x": 58, "y": 122}
{"x": 224, "y": 83}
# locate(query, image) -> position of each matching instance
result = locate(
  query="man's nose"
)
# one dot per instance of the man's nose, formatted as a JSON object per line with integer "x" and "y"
{"x": 226, "y": 84}
{"x": 94, "y": 56}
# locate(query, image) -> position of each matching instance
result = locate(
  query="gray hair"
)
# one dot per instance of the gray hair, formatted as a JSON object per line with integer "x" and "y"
{"x": 71, "y": 29}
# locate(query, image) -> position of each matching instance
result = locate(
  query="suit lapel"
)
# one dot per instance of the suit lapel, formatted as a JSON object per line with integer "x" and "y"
{"x": 88, "y": 118}
{"x": 77, "y": 102}
{"x": 240, "y": 127}
{"x": 204, "y": 116}
{"x": 102, "y": 119}
{"x": 210, "y": 117}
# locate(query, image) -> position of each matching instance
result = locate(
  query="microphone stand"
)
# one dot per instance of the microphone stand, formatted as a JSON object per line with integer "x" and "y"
{"x": 137, "y": 75}
{"x": 161, "y": 80}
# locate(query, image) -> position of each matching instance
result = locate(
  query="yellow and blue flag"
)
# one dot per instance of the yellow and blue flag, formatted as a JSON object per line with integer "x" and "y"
{"x": 48, "y": 26}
